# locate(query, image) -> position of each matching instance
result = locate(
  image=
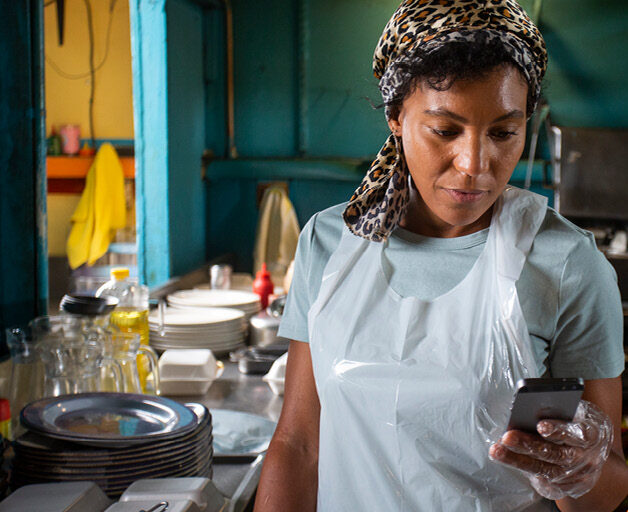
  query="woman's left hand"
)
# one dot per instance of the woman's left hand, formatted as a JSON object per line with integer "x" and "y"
{"x": 566, "y": 459}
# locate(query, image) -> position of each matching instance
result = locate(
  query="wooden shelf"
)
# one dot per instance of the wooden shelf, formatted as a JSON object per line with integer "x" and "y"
{"x": 76, "y": 167}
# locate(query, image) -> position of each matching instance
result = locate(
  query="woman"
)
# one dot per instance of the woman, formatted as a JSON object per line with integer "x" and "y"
{"x": 417, "y": 305}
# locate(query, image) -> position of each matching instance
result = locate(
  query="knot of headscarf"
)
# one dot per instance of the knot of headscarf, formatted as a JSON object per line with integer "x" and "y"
{"x": 379, "y": 203}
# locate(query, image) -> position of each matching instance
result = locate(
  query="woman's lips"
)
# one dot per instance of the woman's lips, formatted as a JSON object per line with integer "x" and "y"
{"x": 465, "y": 196}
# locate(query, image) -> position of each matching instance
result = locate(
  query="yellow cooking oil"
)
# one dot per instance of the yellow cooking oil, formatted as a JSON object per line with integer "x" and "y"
{"x": 135, "y": 321}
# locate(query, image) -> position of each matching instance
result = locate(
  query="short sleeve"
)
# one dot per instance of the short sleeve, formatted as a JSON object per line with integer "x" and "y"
{"x": 588, "y": 342}
{"x": 294, "y": 319}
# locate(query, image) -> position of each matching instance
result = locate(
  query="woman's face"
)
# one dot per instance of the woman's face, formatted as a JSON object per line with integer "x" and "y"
{"x": 461, "y": 146}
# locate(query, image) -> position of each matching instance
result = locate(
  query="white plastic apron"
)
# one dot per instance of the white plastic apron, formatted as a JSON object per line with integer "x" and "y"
{"x": 413, "y": 392}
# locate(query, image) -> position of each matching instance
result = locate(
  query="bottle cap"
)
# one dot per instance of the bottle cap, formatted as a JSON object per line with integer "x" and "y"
{"x": 263, "y": 272}
{"x": 5, "y": 409}
{"x": 119, "y": 273}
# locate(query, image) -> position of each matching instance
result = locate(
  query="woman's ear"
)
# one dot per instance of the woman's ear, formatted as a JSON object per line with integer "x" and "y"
{"x": 395, "y": 126}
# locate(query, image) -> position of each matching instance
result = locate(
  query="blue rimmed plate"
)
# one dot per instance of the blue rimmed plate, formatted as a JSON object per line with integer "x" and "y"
{"x": 109, "y": 419}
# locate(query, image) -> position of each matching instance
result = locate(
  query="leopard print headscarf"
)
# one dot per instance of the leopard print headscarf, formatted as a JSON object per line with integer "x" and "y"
{"x": 378, "y": 204}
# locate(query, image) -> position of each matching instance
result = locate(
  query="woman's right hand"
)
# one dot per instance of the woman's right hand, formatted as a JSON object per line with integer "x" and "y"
{"x": 567, "y": 458}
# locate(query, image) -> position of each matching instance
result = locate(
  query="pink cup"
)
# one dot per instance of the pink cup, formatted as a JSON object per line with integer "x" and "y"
{"x": 71, "y": 139}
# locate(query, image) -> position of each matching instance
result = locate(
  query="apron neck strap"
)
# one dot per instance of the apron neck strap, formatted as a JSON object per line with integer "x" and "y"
{"x": 517, "y": 219}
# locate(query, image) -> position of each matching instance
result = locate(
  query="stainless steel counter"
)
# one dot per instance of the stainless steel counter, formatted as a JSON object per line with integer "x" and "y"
{"x": 237, "y": 479}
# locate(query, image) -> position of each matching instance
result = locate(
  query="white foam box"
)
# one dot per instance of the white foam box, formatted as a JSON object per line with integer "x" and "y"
{"x": 135, "y": 506}
{"x": 201, "y": 491}
{"x": 57, "y": 497}
{"x": 187, "y": 364}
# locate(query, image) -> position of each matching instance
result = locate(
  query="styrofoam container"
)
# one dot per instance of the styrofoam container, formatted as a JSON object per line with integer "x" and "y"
{"x": 135, "y": 506}
{"x": 57, "y": 497}
{"x": 201, "y": 491}
{"x": 175, "y": 364}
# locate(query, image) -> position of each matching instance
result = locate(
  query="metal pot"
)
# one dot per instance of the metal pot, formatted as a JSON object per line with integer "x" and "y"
{"x": 264, "y": 325}
{"x": 263, "y": 329}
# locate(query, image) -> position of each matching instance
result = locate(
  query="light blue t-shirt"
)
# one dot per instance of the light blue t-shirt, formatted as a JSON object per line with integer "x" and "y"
{"x": 567, "y": 289}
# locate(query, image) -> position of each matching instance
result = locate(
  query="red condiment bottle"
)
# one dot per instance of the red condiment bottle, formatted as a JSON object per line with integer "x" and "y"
{"x": 263, "y": 286}
{"x": 5, "y": 419}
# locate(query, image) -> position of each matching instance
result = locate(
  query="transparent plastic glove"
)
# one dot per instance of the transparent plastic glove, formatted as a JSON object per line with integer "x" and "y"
{"x": 567, "y": 458}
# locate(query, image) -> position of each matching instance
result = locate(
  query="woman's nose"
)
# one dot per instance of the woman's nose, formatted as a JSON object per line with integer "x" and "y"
{"x": 471, "y": 157}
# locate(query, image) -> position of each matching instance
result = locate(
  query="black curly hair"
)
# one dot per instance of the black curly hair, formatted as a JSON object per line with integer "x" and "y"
{"x": 455, "y": 61}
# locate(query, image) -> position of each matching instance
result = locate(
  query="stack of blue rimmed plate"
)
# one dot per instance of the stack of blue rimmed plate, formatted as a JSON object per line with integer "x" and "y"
{"x": 112, "y": 439}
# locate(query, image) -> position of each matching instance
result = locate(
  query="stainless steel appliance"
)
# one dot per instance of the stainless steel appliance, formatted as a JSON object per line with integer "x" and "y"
{"x": 591, "y": 173}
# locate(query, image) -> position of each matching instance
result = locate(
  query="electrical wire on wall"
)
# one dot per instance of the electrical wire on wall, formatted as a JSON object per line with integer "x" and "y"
{"x": 92, "y": 67}
{"x": 90, "y": 29}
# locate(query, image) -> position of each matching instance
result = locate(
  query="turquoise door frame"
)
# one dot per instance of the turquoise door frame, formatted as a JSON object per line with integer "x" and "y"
{"x": 23, "y": 251}
{"x": 150, "y": 112}
{"x": 168, "y": 57}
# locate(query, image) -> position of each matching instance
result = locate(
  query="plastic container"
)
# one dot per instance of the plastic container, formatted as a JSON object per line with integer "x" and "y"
{"x": 188, "y": 371}
{"x": 155, "y": 505}
{"x": 263, "y": 286}
{"x": 201, "y": 491}
{"x": 54, "y": 143}
{"x": 131, "y": 313}
{"x": 257, "y": 360}
{"x": 188, "y": 364}
{"x": 57, "y": 497}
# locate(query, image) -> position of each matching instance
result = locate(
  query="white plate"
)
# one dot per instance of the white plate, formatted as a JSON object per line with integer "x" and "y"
{"x": 218, "y": 352}
{"x": 197, "y": 344}
{"x": 199, "y": 334}
{"x": 237, "y": 327}
{"x": 248, "y": 310}
{"x": 194, "y": 344}
{"x": 197, "y": 317}
{"x": 214, "y": 298}
{"x": 199, "y": 341}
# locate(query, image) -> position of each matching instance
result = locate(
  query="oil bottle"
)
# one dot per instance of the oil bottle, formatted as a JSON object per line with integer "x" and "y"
{"x": 131, "y": 313}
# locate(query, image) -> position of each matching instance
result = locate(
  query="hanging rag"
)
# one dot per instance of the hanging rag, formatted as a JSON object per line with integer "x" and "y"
{"x": 277, "y": 233}
{"x": 421, "y": 27}
{"x": 100, "y": 211}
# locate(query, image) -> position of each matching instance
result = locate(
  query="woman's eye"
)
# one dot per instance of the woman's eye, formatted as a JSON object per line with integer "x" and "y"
{"x": 502, "y": 134}
{"x": 444, "y": 133}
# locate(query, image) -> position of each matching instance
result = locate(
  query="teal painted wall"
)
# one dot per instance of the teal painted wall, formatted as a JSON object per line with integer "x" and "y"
{"x": 304, "y": 92}
{"x": 304, "y": 88}
{"x": 587, "y": 78}
{"x": 186, "y": 128}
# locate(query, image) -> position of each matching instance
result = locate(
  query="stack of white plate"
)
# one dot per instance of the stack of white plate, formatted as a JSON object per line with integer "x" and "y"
{"x": 248, "y": 302}
{"x": 219, "y": 329}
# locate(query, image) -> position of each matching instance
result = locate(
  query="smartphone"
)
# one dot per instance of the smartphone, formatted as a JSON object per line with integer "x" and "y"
{"x": 540, "y": 399}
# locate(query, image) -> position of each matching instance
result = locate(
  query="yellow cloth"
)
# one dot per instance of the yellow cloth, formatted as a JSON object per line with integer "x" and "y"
{"x": 101, "y": 209}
